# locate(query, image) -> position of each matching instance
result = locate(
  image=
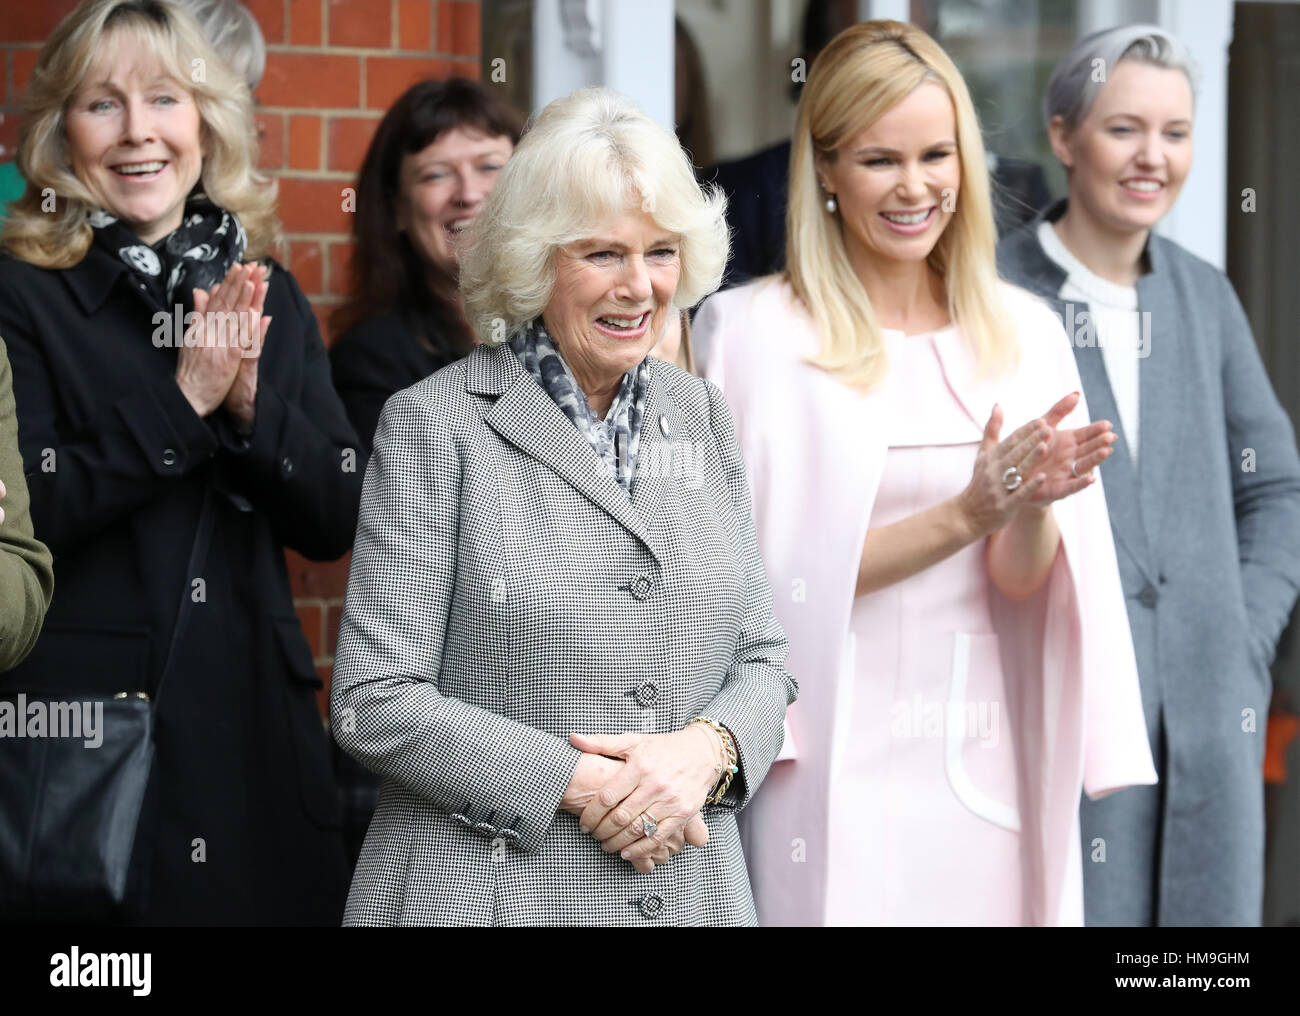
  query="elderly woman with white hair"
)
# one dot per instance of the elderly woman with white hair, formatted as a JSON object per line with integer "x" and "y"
{"x": 558, "y": 645}
{"x": 1206, "y": 519}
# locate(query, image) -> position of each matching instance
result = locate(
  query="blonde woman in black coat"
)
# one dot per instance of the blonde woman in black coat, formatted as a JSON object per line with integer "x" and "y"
{"x": 126, "y": 437}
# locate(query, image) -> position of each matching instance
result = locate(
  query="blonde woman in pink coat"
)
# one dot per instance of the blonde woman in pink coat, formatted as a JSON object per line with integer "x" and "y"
{"x": 925, "y": 490}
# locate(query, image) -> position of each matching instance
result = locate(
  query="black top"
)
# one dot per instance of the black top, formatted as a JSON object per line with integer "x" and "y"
{"x": 374, "y": 359}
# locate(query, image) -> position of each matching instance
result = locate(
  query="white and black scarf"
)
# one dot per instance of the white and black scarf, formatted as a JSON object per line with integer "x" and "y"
{"x": 195, "y": 255}
{"x": 617, "y": 437}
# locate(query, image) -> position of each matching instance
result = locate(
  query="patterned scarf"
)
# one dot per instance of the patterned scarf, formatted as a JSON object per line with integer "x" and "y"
{"x": 617, "y": 437}
{"x": 195, "y": 255}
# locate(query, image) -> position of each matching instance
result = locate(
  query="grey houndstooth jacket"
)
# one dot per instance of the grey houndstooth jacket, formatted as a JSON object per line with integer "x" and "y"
{"x": 504, "y": 592}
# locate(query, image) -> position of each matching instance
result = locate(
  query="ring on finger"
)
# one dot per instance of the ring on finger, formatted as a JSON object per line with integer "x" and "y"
{"x": 1011, "y": 478}
{"x": 648, "y": 824}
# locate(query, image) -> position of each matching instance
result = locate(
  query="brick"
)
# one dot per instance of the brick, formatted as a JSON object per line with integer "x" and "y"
{"x": 312, "y": 618}
{"x": 25, "y": 21}
{"x": 270, "y": 18}
{"x": 340, "y": 274}
{"x": 304, "y": 142}
{"x": 270, "y": 136}
{"x": 466, "y": 29}
{"x": 387, "y": 77}
{"x": 314, "y": 206}
{"x": 9, "y": 135}
{"x": 415, "y": 24}
{"x": 366, "y": 23}
{"x": 459, "y": 28}
{"x": 317, "y": 580}
{"x": 311, "y": 80}
{"x": 333, "y": 614}
{"x": 307, "y": 265}
{"x": 24, "y": 61}
{"x": 305, "y": 23}
{"x": 349, "y": 137}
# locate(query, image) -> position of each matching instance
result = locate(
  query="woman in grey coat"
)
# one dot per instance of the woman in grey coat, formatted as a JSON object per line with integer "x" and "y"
{"x": 1203, "y": 485}
{"x": 558, "y": 646}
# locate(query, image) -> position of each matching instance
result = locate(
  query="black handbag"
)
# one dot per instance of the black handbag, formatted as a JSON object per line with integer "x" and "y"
{"x": 70, "y": 805}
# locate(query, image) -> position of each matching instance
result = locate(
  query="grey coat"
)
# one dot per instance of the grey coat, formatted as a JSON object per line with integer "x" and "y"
{"x": 504, "y": 592}
{"x": 1207, "y": 530}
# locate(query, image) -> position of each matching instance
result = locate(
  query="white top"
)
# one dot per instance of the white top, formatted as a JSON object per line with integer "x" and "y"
{"x": 1115, "y": 327}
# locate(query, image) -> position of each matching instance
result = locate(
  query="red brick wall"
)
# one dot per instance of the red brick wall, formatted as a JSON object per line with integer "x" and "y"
{"x": 333, "y": 67}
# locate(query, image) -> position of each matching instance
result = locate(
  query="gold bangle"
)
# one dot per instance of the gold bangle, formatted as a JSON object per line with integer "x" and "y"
{"x": 728, "y": 767}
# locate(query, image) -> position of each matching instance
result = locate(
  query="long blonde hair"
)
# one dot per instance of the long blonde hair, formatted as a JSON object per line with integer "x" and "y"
{"x": 230, "y": 177}
{"x": 864, "y": 72}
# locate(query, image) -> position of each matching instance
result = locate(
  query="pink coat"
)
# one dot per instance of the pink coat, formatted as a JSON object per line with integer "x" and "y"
{"x": 814, "y": 450}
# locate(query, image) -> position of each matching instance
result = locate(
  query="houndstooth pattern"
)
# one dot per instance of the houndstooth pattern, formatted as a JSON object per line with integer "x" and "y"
{"x": 505, "y": 591}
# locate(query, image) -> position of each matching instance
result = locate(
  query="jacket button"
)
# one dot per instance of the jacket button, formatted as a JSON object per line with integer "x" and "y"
{"x": 646, "y": 694}
{"x": 286, "y": 466}
{"x": 462, "y": 819}
{"x": 641, "y": 587}
{"x": 486, "y": 829}
{"x": 169, "y": 457}
{"x": 650, "y": 907}
{"x": 1148, "y": 596}
{"x": 664, "y": 429}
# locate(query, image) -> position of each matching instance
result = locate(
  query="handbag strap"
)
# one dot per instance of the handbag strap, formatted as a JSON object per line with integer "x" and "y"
{"x": 198, "y": 553}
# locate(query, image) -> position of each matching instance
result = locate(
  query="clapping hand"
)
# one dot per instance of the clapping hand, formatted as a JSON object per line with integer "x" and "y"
{"x": 217, "y": 366}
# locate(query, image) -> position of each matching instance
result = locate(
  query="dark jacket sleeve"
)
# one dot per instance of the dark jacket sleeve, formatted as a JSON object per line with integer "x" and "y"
{"x": 26, "y": 567}
{"x": 1265, "y": 479}
{"x": 132, "y": 451}
{"x": 303, "y": 465}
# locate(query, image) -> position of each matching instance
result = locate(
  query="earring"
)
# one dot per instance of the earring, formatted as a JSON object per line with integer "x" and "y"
{"x": 832, "y": 205}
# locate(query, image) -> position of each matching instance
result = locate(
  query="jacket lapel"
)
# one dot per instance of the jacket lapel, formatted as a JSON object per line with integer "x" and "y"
{"x": 1162, "y": 383}
{"x": 526, "y": 416}
{"x": 1123, "y": 501}
{"x": 1023, "y": 262}
{"x": 976, "y": 395}
{"x": 663, "y": 456}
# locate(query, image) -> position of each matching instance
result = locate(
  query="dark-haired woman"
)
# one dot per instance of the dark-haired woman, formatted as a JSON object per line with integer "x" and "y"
{"x": 432, "y": 163}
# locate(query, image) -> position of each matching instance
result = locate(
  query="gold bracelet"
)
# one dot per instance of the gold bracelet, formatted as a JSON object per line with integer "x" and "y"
{"x": 728, "y": 767}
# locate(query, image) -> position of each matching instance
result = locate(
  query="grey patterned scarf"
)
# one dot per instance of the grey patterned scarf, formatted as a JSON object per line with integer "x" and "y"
{"x": 617, "y": 437}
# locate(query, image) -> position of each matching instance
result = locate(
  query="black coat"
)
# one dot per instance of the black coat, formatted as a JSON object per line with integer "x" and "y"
{"x": 377, "y": 357}
{"x": 241, "y": 820}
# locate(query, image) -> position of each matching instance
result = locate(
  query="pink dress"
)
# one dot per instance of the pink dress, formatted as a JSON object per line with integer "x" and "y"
{"x": 923, "y": 771}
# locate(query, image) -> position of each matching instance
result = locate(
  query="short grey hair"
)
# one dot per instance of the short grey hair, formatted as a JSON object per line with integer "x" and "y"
{"x": 234, "y": 33}
{"x": 1074, "y": 87}
{"x": 587, "y": 157}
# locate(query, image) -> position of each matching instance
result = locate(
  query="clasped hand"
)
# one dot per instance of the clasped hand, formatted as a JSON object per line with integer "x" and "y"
{"x": 667, "y": 776}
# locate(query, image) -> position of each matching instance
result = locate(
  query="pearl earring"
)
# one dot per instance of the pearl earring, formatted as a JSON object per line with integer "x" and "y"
{"x": 831, "y": 205}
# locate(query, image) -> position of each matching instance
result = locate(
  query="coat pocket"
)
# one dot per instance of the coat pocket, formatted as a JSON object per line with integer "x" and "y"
{"x": 979, "y": 754}
{"x": 72, "y": 659}
{"x": 316, "y": 783}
